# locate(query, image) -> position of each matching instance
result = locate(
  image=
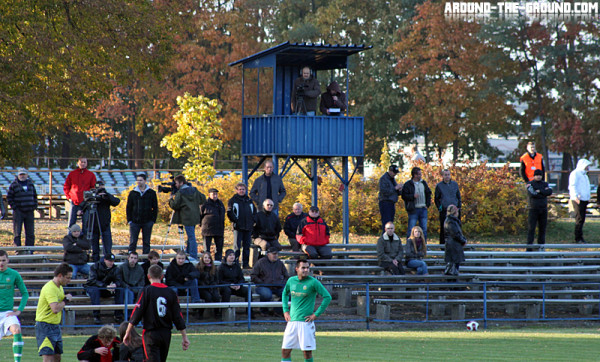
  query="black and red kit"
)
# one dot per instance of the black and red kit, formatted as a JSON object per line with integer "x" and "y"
{"x": 159, "y": 309}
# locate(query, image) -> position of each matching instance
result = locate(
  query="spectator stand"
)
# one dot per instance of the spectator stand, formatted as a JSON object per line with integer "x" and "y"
{"x": 292, "y": 137}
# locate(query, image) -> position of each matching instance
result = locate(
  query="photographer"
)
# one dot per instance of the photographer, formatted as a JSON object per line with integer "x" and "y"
{"x": 305, "y": 92}
{"x": 186, "y": 203}
{"x": 142, "y": 210}
{"x": 100, "y": 200}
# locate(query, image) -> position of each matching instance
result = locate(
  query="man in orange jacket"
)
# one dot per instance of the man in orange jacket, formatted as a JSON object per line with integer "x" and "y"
{"x": 531, "y": 161}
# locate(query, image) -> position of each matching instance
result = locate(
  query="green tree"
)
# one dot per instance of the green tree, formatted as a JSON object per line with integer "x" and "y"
{"x": 197, "y": 135}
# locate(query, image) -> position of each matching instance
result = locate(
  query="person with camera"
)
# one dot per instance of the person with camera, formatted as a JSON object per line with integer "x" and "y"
{"x": 142, "y": 211}
{"x": 79, "y": 180}
{"x": 96, "y": 209}
{"x": 305, "y": 92}
{"x": 186, "y": 202}
{"x": 333, "y": 102}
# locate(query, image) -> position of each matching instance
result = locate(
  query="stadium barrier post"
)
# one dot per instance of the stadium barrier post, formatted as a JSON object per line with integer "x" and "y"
{"x": 427, "y": 305}
{"x": 249, "y": 288}
{"x": 544, "y": 300}
{"x": 367, "y": 306}
{"x": 484, "y": 305}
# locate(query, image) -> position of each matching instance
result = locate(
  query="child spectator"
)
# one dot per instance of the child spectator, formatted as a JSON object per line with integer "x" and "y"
{"x": 153, "y": 258}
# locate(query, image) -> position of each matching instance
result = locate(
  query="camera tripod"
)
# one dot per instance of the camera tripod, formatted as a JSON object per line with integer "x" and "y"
{"x": 300, "y": 106}
{"x": 180, "y": 231}
{"x": 92, "y": 219}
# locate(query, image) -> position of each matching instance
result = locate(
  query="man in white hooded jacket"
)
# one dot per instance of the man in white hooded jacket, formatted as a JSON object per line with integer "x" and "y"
{"x": 579, "y": 192}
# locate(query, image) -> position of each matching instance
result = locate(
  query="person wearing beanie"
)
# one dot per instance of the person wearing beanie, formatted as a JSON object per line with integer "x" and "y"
{"x": 537, "y": 196}
{"x": 76, "y": 254}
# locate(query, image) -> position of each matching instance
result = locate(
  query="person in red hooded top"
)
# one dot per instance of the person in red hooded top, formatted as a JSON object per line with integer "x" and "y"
{"x": 313, "y": 235}
{"x": 79, "y": 180}
{"x": 101, "y": 347}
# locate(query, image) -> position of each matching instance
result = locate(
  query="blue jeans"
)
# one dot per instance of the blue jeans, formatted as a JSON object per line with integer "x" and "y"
{"x": 84, "y": 269}
{"x": 134, "y": 234}
{"x": 192, "y": 286}
{"x": 192, "y": 244}
{"x": 266, "y": 294}
{"x": 419, "y": 215}
{"x": 419, "y": 265}
{"x": 95, "y": 293}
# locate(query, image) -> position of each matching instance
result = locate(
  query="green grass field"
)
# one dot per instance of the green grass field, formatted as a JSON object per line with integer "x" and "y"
{"x": 522, "y": 345}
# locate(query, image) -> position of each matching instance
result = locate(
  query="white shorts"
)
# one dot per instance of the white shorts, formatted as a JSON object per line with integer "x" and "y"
{"x": 6, "y": 322}
{"x": 299, "y": 335}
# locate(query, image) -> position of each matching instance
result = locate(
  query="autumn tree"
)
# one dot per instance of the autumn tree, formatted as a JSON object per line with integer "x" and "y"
{"x": 197, "y": 138}
{"x": 440, "y": 66}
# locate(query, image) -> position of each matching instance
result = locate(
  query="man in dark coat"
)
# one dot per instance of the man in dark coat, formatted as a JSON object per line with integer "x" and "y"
{"x": 537, "y": 195}
{"x": 142, "y": 211}
{"x": 389, "y": 190}
{"x": 267, "y": 228}
{"x": 270, "y": 276}
{"x": 268, "y": 186}
{"x": 76, "y": 251}
{"x": 305, "y": 92}
{"x": 241, "y": 212}
{"x": 212, "y": 216}
{"x": 22, "y": 198}
{"x": 455, "y": 241}
{"x": 99, "y": 224}
{"x": 291, "y": 225}
{"x": 447, "y": 193}
{"x": 104, "y": 282}
{"x": 417, "y": 198}
{"x": 181, "y": 275}
{"x": 333, "y": 99}
{"x": 186, "y": 204}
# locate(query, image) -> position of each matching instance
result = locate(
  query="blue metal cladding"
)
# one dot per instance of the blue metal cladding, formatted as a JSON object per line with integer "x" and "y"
{"x": 302, "y": 135}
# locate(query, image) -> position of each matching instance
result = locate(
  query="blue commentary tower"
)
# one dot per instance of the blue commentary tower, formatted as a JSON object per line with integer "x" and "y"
{"x": 282, "y": 134}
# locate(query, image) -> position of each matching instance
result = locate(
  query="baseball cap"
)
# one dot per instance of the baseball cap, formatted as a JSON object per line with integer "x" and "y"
{"x": 273, "y": 250}
{"x": 22, "y": 171}
{"x": 314, "y": 209}
{"x": 110, "y": 256}
{"x": 538, "y": 172}
{"x": 211, "y": 190}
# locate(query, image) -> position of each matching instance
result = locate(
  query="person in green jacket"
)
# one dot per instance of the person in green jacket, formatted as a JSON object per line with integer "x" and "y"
{"x": 186, "y": 204}
{"x": 300, "y": 329}
{"x": 9, "y": 323}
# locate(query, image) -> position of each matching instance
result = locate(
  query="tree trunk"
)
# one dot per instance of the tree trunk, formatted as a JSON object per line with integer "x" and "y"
{"x": 567, "y": 166}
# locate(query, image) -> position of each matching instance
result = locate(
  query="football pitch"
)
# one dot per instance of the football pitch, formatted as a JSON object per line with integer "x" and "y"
{"x": 521, "y": 345}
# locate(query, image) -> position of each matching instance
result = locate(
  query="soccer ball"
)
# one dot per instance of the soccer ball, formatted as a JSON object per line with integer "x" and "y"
{"x": 472, "y": 326}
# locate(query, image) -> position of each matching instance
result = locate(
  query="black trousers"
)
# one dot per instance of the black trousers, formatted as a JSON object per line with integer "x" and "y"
{"x": 442, "y": 220}
{"x": 539, "y": 218}
{"x": 580, "y": 210}
{"x": 390, "y": 267}
{"x": 218, "y": 244}
{"x": 23, "y": 218}
{"x": 156, "y": 344}
{"x": 227, "y": 292}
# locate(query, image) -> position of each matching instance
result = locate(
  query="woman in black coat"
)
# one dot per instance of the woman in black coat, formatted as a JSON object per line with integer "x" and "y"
{"x": 455, "y": 241}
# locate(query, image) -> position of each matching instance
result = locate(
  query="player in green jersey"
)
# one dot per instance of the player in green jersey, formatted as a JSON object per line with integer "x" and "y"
{"x": 300, "y": 329}
{"x": 9, "y": 323}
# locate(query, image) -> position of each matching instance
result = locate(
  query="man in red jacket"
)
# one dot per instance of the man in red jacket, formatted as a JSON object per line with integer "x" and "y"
{"x": 313, "y": 235}
{"x": 79, "y": 180}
